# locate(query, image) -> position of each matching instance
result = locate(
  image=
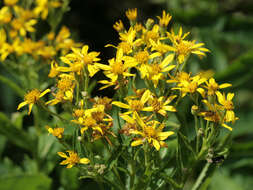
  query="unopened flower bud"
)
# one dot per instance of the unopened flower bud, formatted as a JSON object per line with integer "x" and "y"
{"x": 194, "y": 110}
{"x": 84, "y": 94}
{"x": 200, "y": 132}
{"x": 149, "y": 23}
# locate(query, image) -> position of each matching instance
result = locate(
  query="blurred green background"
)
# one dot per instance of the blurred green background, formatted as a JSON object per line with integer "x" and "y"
{"x": 225, "y": 26}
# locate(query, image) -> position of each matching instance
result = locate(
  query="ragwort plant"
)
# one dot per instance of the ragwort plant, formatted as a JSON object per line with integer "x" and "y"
{"x": 142, "y": 137}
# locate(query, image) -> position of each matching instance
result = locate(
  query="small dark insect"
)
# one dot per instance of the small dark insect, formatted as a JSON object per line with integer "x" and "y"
{"x": 218, "y": 159}
{"x": 209, "y": 113}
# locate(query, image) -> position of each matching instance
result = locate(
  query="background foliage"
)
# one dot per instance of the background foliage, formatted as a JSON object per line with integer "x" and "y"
{"x": 226, "y": 27}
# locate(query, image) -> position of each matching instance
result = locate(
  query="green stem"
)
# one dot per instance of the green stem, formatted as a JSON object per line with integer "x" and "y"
{"x": 197, "y": 135}
{"x": 133, "y": 173}
{"x": 201, "y": 176}
{"x": 116, "y": 173}
{"x": 86, "y": 83}
{"x": 98, "y": 180}
{"x": 171, "y": 181}
{"x": 42, "y": 104}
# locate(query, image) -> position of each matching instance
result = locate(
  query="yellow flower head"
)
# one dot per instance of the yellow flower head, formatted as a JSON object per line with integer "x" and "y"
{"x": 118, "y": 26}
{"x": 57, "y": 132}
{"x": 135, "y": 105}
{"x": 227, "y": 105}
{"x": 150, "y": 133}
{"x": 43, "y": 6}
{"x": 47, "y": 52}
{"x": 131, "y": 14}
{"x": 212, "y": 87}
{"x": 160, "y": 106}
{"x": 214, "y": 114}
{"x": 152, "y": 34}
{"x": 10, "y": 2}
{"x": 156, "y": 70}
{"x": 118, "y": 66}
{"x": 183, "y": 47}
{"x": 5, "y": 15}
{"x": 79, "y": 59}
{"x": 142, "y": 57}
{"x": 191, "y": 86}
{"x": 105, "y": 101}
{"x": 53, "y": 71}
{"x": 31, "y": 98}
{"x": 72, "y": 159}
{"x": 67, "y": 82}
{"x": 165, "y": 19}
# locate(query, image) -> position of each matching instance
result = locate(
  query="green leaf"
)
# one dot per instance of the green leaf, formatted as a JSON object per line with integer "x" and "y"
{"x": 69, "y": 178}
{"x": 3, "y": 141}
{"x": 20, "y": 92}
{"x": 15, "y": 135}
{"x": 237, "y": 69}
{"x": 29, "y": 182}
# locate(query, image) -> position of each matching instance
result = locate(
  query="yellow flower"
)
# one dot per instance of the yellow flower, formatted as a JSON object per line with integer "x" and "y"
{"x": 31, "y": 47}
{"x": 191, "y": 86}
{"x": 212, "y": 87}
{"x": 57, "y": 132}
{"x": 118, "y": 26}
{"x": 72, "y": 159}
{"x": 43, "y": 6}
{"x": 94, "y": 118}
{"x": 118, "y": 66}
{"x": 150, "y": 132}
{"x": 214, "y": 114}
{"x": 183, "y": 48}
{"x": 131, "y": 14}
{"x": 176, "y": 39}
{"x": 135, "y": 105}
{"x": 5, "y": 15}
{"x": 61, "y": 96}
{"x": 31, "y": 98}
{"x": 164, "y": 20}
{"x": 3, "y": 38}
{"x": 10, "y": 2}
{"x": 142, "y": 57}
{"x": 148, "y": 35}
{"x": 160, "y": 106}
{"x": 53, "y": 71}
{"x": 23, "y": 26}
{"x": 67, "y": 82}
{"x": 128, "y": 41}
{"x": 79, "y": 59}
{"x": 63, "y": 41}
{"x": 155, "y": 71}
{"x": 65, "y": 86}
{"x": 180, "y": 77}
{"x": 227, "y": 105}
{"x": 47, "y": 52}
{"x": 160, "y": 48}
{"x": 105, "y": 101}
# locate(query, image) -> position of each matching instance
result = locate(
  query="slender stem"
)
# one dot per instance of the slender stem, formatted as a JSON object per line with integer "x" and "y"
{"x": 116, "y": 173}
{"x": 49, "y": 111}
{"x": 171, "y": 181}
{"x": 197, "y": 135}
{"x": 201, "y": 177}
{"x": 133, "y": 173}
{"x": 98, "y": 180}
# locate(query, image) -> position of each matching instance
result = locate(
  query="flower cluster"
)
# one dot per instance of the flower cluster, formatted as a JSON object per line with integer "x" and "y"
{"x": 18, "y": 25}
{"x": 146, "y": 52}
